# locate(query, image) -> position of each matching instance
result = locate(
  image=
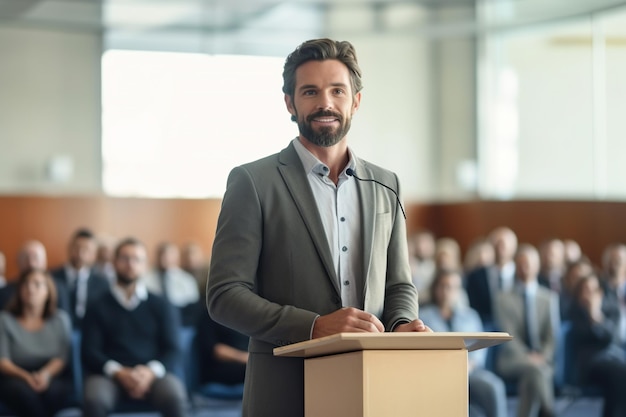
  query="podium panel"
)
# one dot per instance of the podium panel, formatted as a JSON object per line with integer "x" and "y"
{"x": 399, "y": 383}
{"x": 388, "y": 374}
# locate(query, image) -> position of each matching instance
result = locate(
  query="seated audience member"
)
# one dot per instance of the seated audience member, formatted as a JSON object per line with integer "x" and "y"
{"x": 32, "y": 255}
{"x": 480, "y": 254}
{"x": 573, "y": 252}
{"x": 224, "y": 352}
{"x": 421, "y": 246}
{"x": 552, "y": 258}
{"x": 487, "y": 394}
{"x": 174, "y": 284}
{"x": 614, "y": 279}
{"x": 447, "y": 254}
{"x": 193, "y": 261}
{"x": 483, "y": 284}
{"x": 599, "y": 358}
{"x": 574, "y": 272}
{"x": 103, "y": 265}
{"x": 529, "y": 313}
{"x": 3, "y": 265}
{"x": 130, "y": 343}
{"x": 77, "y": 283}
{"x": 34, "y": 348}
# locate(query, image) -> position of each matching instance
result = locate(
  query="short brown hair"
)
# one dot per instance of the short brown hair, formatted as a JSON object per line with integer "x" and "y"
{"x": 320, "y": 50}
{"x": 16, "y": 305}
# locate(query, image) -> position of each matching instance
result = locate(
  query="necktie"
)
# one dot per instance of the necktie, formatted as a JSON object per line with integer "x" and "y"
{"x": 164, "y": 285}
{"x": 530, "y": 320}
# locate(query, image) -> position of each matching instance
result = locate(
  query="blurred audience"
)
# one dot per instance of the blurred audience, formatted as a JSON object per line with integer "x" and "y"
{"x": 224, "y": 352}
{"x": 480, "y": 253}
{"x": 600, "y": 360}
{"x": 614, "y": 282}
{"x": 174, "y": 284}
{"x": 193, "y": 261}
{"x": 552, "y": 256}
{"x": 447, "y": 254}
{"x": 34, "y": 349}
{"x": 104, "y": 259}
{"x": 32, "y": 255}
{"x": 422, "y": 260}
{"x": 487, "y": 394}
{"x": 131, "y": 343}
{"x": 78, "y": 285}
{"x": 529, "y": 313}
{"x": 484, "y": 283}
{"x": 575, "y": 271}
{"x": 573, "y": 252}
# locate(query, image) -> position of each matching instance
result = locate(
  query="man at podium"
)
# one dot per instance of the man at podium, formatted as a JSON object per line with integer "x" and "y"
{"x": 310, "y": 241}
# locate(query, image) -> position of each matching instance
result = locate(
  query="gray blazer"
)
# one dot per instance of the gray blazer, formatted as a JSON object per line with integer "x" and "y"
{"x": 510, "y": 316}
{"x": 272, "y": 273}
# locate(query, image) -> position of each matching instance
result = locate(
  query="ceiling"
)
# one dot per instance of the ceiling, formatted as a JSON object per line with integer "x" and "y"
{"x": 175, "y": 21}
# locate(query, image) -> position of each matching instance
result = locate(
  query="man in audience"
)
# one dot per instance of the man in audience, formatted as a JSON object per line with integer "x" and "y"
{"x": 614, "y": 282}
{"x": 529, "y": 313}
{"x": 174, "y": 284}
{"x": 552, "y": 256}
{"x": 192, "y": 261}
{"x": 78, "y": 286}
{"x": 130, "y": 343}
{"x": 485, "y": 282}
{"x": 422, "y": 261}
{"x": 104, "y": 259}
{"x": 32, "y": 255}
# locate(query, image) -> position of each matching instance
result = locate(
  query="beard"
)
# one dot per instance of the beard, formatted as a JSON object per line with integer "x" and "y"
{"x": 125, "y": 280}
{"x": 325, "y": 136}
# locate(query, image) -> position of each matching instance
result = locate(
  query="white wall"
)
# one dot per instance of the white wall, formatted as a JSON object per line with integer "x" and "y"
{"x": 49, "y": 106}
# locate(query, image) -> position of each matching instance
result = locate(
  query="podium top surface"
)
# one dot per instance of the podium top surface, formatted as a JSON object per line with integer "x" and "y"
{"x": 350, "y": 342}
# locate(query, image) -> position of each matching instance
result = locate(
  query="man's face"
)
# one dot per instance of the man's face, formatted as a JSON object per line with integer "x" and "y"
{"x": 82, "y": 252}
{"x": 323, "y": 102}
{"x": 527, "y": 266}
{"x": 32, "y": 256}
{"x": 130, "y": 263}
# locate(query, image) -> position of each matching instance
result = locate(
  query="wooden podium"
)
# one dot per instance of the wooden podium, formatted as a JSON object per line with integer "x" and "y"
{"x": 388, "y": 374}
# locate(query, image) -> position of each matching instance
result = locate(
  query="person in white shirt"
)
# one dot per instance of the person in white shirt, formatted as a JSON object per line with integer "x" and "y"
{"x": 173, "y": 283}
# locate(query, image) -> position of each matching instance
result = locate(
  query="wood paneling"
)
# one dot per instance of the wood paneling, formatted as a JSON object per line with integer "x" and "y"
{"x": 53, "y": 219}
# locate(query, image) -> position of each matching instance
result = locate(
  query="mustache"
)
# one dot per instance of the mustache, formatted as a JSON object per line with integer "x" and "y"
{"x": 324, "y": 113}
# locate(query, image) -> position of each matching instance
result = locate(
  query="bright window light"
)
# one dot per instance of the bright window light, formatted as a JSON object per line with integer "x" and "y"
{"x": 175, "y": 124}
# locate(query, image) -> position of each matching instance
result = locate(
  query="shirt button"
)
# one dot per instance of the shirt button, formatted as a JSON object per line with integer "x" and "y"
{"x": 346, "y": 282}
{"x": 325, "y": 169}
{"x": 343, "y": 219}
{"x": 345, "y": 249}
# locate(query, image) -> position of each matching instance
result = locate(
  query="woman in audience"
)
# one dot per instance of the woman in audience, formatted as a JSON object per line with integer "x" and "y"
{"x": 599, "y": 358}
{"x": 34, "y": 348}
{"x": 487, "y": 393}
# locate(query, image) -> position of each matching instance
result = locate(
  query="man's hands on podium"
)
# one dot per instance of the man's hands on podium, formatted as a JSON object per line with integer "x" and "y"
{"x": 346, "y": 320}
{"x": 414, "y": 326}
{"x": 350, "y": 320}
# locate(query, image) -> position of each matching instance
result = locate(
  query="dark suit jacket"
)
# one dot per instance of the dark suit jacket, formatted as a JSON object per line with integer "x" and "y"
{"x": 478, "y": 285}
{"x": 97, "y": 285}
{"x": 272, "y": 272}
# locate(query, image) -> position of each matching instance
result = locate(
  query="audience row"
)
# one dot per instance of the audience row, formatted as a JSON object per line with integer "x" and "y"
{"x": 129, "y": 323}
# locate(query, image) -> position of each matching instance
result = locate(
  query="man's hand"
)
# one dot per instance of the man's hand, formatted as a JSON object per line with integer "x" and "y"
{"x": 346, "y": 320}
{"x": 414, "y": 326}
{"x": 126, "y": 378}
{"x": 144, "y": 377}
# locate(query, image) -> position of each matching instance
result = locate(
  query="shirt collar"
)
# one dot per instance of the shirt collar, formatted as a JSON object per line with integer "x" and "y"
{"x": 140, "y": 294}
{"x": 312, "y": 165}
{"x": 529, "y": 288}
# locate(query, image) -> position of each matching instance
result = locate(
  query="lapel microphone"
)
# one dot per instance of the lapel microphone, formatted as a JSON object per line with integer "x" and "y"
{"x": 351, "y": 173}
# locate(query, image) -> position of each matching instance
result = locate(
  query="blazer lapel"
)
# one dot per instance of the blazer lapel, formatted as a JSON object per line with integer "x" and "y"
{"x": 367, "y": 198}
{"x": 298, "y": 186}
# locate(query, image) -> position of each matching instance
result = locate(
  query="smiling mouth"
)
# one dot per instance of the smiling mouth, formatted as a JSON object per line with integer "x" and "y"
{"x": 325, "y": 119}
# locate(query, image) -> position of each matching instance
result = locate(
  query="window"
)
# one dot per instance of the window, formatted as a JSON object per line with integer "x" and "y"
{"x": 175, "y": 124}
